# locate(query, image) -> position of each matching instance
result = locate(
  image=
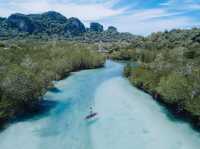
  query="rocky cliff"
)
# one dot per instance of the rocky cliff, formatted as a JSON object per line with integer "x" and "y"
{"x": 52, "y": 24}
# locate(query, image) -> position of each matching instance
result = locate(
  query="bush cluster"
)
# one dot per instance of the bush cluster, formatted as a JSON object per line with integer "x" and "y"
{"x": 27, "y": 69}
{"x": 168, "y": 66}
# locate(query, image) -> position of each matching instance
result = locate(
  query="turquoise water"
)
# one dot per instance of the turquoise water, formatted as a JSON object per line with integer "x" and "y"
{"x": 128, "y": 118}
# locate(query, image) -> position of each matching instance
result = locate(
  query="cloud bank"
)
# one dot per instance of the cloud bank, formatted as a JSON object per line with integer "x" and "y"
{"x": 84, "y": 11}
{"x": 138, "y": 16}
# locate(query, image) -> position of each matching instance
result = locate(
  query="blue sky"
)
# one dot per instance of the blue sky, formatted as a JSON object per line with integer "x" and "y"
{"x": 135, "y": 16}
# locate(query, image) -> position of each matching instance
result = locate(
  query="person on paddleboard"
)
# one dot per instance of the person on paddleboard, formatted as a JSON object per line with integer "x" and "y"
{"x": 92, "y": 114}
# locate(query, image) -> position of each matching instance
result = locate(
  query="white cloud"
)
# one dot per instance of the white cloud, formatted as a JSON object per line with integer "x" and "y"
{"x": 91, "y": 11}
{"x": 194, "y": 6}
{"x": 165, "y": 3}
{"x": 138, "y": 21}
{"x": 147, "y": 27}
{"x": 186, "y": 5}
{"x": 152, "y": 14}
{"x": 150, "y": 26}
{"x": 144, "y": 22}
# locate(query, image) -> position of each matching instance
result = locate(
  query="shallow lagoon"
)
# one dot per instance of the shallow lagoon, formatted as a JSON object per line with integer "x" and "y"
{"x": 128, "y": 118}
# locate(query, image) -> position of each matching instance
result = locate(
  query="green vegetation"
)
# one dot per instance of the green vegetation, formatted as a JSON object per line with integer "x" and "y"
{"x": 53, "y": 25}
{"x": 27, "y": 69}
{"x": 168, "y": 68}
{"x": 38, "y": 48}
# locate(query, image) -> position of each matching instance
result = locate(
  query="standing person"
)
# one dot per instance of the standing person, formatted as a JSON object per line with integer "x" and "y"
{"x": 91, "y": 111}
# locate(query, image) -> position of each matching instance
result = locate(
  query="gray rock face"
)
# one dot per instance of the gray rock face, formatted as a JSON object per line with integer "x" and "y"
{"x": 54, "y": 16}
{"x": 96, "y": 27}
{"x": 112, "y": 29}
{"x": 75, "y": 27}
{"x": 49, "y": 23}
{"x": 21, "y": 22}
{"x": 53, "y": 24}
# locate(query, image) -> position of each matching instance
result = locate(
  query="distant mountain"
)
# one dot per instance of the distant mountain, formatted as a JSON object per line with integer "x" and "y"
{"x": 52, "y": 24}
{"x": 96, "y": 27}
{"x": 49, "y": 22}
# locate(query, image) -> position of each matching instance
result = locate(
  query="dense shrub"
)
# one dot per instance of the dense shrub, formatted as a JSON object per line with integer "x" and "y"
{"x": 169, "y": 66}
{"x": 174, "y": 88}
{"x": 28, "y": 67}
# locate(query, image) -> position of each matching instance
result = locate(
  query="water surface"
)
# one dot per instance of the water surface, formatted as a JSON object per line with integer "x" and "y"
{"x": 128, "y": 118}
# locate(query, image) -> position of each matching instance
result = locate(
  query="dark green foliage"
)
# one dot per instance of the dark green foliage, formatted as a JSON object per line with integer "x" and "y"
{"x": 46, "y": 24}
{"x": 175, "y": 88}
{"x": 2, "y": 45}
{"x": 169, "y": 66}
{"x": 21, "y": 22}
{"x": 190, "y": 54}
{"x": 53, "y": 25}
{"x": 127, "y": 70}
{"x": 28, "y": 67}
{"x": 106, "y": 37}
{"x": 144, "y": 78}
{"x": 50, "y": 16}
{"x": 96, "y": 27}
{"x": 112, "y": 29}
{"x": 75, "y": 27}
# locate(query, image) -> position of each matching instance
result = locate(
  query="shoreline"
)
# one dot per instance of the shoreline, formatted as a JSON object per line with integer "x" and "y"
{"x": 40, "y": 107}
{"x": 175, "y": 110}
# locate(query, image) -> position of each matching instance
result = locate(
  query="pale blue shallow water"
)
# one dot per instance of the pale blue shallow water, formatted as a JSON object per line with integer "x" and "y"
{"x": 128, "y": 118}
